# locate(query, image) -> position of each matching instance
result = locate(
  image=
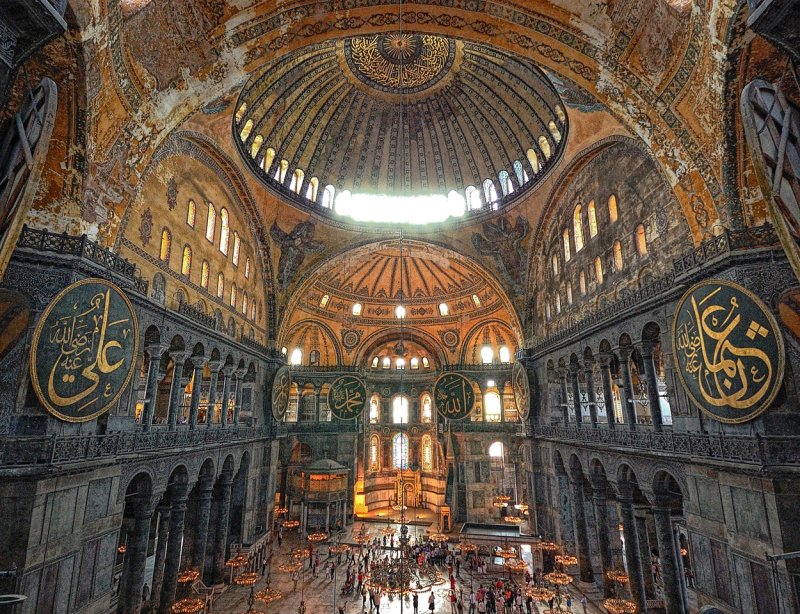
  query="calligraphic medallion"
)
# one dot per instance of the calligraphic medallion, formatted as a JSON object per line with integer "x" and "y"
{"x": 347, "y": 397}
{"x": 729, "y": 351}
{"x": 281, "y": 387}
{"x": 522, "y": 390}
{"x": 84, "y": 350}
{"x": 454, "y": 396}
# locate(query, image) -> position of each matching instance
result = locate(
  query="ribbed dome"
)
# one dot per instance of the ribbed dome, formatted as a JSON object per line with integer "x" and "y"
{"x": 331, "y": 114}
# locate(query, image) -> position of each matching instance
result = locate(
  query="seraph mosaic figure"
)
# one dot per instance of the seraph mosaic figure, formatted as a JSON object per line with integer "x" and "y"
{"x": 295, "y": 246}
{"x": 503, "y": 242}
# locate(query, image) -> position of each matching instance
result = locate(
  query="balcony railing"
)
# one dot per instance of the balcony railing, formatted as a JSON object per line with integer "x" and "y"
{"x": 197, "y": 314}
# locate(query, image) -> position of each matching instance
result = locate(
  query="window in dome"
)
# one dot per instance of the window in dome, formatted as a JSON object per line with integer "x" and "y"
{"x": 427, "y": 412}
{"x": 476, "y": 300}
{"x": 414, "y": 364}
{"x": 204, "y": 274}
{"x": 400, "y": 409}
{"x": 224, "y": 232}
{"x": 186, "y": 261}
{"x": 233, "y": 295}
{"x": 443, "y": 309}
{"x": 211, "y": 222}
{"x": 240, "y": 112}
{"x": 558, "y": 303}
{"x": 492, "y": 408}
{"x": 327, "y": 196}
{"x": 567, "y": 254}
{"x": 375, "y": 362}
{"x": 598, "y": 270}
{"x": 554, "y": 263}
{"x": 577, "y": 228}
{"x": 617, "y": 255}
{"x": 427, "y": 453}
{"x": 374, "y": 447}
{"x": 473, "y": 198}
{"x": 592, "y": 214}
{"x": 166, "y": 245}
{"x": 425, "y": 362}
{"x": 400, "y": 312}
{"x": 560, "y": 114}
{"x": 387, "y": 362}
{"x": 641, "y": 240}
{"x": 313, "y": 358}
{"x": 297, "y": 181}
{"x": 544, "y": 145}
{"x": 374, "y": 409}
{"x": 266, "y": 161}
{"x": 456, "y": 204}
{"x": 534, "y": 160}
{"x": 400, "y": 451}
{"x": 220, "y": 285}
{"x": 505, "y": 354}
{"x": 490, "y": 192}
{"x": 297, "y": 357}
{"x": 506, "y": 185}
{"x": 400, "y": 363}
{"x": 582, "y": 283}
{"x": 256, "y": 146}
{"x": 311, "y": 191}
{"x": 519, "y": 171}
{"x": 612, "y": 208}
{"x": 357, "y": 309}
{"x": 247, "y": 268}
{"x": 487, "y": 355}
{"x": 569, "y": 293}
{"x": 281, "y": 171}
{"x": 248, "y": 127}
{"x": 191, "y": 213}
{"x": 237, "y": 244}
{"x": 324, "y": 300}
{"x": 554, "y": 131}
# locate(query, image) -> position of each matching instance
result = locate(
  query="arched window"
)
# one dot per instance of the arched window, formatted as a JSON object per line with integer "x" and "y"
{"x": 297, "y": 181}
{"x": 186, "y": 261}
{"x": 313, "y": 358}
{"x": 592, "y": 214}
{"x": 327, "y": 196}
{"x": 476, "y": 300}
{"x": 534, "y": 160}
{"x": 492, "y": 407}
{"x": 577, "y": 228}
{"x": 489, "y": 191}
{"x": 560, "y": 114}
{"x": 244, "y": 304}
{"x": 296, "y": 357}
{"x": 311, "y": 191}
{"x": 211, "y": 222}
{"x": 281, "y": 171}
{"x": 496, "y": 450}
{"x": 505, "y": 354}
{"x": 240, "y": 112}
{"x": 399, "y": 363}
{"x": 427, "y": 453}
{"x": 641, "y": 240}
{"x": 569, "y": 293}
{"x": 547, "y": 311}
{"x": 357, "y": 307}
{"x": 544, "y": 145}
{"x": 324, "y": 300}
{"x": 582, "y": 283}
{"x": 248, "y": 127}
{"x": 253, "y": 311}
{"x": 487, "y": 355}
{"x": 375, "y": 362}
{"x": 166, "y": 245}
{"x": 425, "y": 363}
{"x": 598, "y": 270}
{"x": 256, "y": 146}
{"x": 554, "y": 263}
{"x": 427, "y": 412}
{"x": 473, "y": 198}
{"x": 233, "y": 295}
{"x": 506, "y": 185}
{"x": 400, "y": 451}
{"x": 519, "y": 171}
{"x": 400, "y": 409}
{"x": 558, "y": 303}
{"x": 266, "y": 161}
{"x": 414, "y": 363}
{"x": 374, "y": 409}
{"x": 386, "y": 362}
{"x": 374, "y": 453}
{"x": 237, "y": 244}
{"x": 497, "y": 459}
{"x": 224, "y": 233}
{"x": 204, "y": 274}
{"x": 220, "y": 285}
{"x": 247, "y": 268}
{"x": 612, "y": 208}
{"x": 443, "y": 309}
{"x": 554, "y": 131}
{"x": 617, "y": 255}
{"x": 191, "y": 213}
{"x": 565, "y": 237}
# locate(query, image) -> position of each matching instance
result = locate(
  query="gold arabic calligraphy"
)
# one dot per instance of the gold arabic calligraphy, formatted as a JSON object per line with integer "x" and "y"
{"x": 727, "y": 374}
{"x": 367, "y": 57}
{"x": 348, "y": 398}
{"x": 454, "y": 397}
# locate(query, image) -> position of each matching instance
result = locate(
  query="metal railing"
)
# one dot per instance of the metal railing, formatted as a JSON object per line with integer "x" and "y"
{"x": 197, "y": 314}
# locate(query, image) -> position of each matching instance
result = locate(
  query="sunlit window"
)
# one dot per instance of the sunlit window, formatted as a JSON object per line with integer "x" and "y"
{"x": 400, "y": 409}
{"x": 547, "y": 311}
{"x": 554, "y": 263}
{"x": 400, "y": 363}
{"x": 397, "y": 209}
{"x": 592, "y": 214}
{"x": 191, "y": 213}
{"x": 269, "y": 157}
{"x": 220, "y": 285}
{"x": 427, "y": 453}
{"x": 256, "y": 146}
{"x": 240, "y": 112}
{"x": 565, "y": 237}
{"x": 233, "y": 295}
{"x": 487, "y": 355}
{"x": 247, "y": 268}
{"x": 311, "y": 191}
{"x": 473, "y": 198}
{"x": 577, "y": 228}
{"x": 297, "y": 181}
{"x": 506, "y": 185}
{"x": 375, "y": 362}
{"x": 476, "y": 300}
{"x": 534, "y": 160}
{"x": 612, "y": 208}
{"x": 224, "y": 233}
{"x": 558, "y": 303}
{"x": 443, "y": 309}
{"x": 357, "y": 309}
{"x": 554, "y": 131}
{"x": 374, "y": 410}
{"x": 374, "y": 447}
{"x": 456, "y": 204}
{"x": 427, "y": 411}
{"x": 641, "y": 240}
{"x": 617, "y": 255}
{"x": 244, "y": 304}
{"x": 204, "y": 274}
{"x": 414, "y": 363}
{"x": 248, "y": 127}
{"x": 492, "y": 407}
{"x": 582, "y": 283}
{"x": 236, "y": 247}
{"x": 328, "y": 196}
{"x": 324, "y": 300}
{"x": 569, "y": 293}
{"x": 400, "y": 312}
{"x": 281, "y": 171}
{"x": 598, "y": 270}
{"x": 186, "y": 261}
{"x": 296, "y": 357}
{"x": 400, "y": 451}
{"x": 490, "y": 192}
{"x": 166, "y": 245}
{"x": 505, "y": 354}
{"x": 387, "y": 362}
{"x": 544, "y": 145}
{"x": 519, "y": 171}
{"x": 560, "y": 114}
{"x": 253, "y": 311}
{"x": 211, "y": 222}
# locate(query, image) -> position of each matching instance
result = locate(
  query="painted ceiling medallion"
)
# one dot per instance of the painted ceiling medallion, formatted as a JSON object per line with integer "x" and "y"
{"x": 401, "y": 62}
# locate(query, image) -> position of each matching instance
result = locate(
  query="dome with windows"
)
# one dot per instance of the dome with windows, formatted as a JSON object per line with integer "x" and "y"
{"x": 402, "y": 127}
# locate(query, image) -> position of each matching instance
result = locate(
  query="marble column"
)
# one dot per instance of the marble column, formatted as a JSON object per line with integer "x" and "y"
{"x": 172, "y": 561}
{"x": 198, "y": 362}
{"x": 223, "y": 521}
{"x": 673, "y": 599}
{"x": 652, "y": 386}
{"x": 627, "y": 389}
{"x": 608, "y": 390}
{"x": 214, "y": 366}
{"x": 574, "y": 370}
{"x": 151, "y": 388}
{"x": 161, "y": 550}
{"x": 600, "y": 500}
{"x": 227, "y": 370}
{"x": 237, "y": 403}
{"x": 633, "y": 556}
{"x": 564, "y": 396}
{"x": 581, "y": 532}
{"x": 647, "y": 552}
{"x": 176, "y": 391}
{"x": 198, "y": 554}
{"x": 588, "y": 373}
{"x": 130, "y": 598}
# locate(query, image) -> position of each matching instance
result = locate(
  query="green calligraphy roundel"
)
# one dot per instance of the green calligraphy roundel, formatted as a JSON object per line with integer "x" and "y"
{"x": 522, "y": 390}
{"x": 84, "y": 350}
{"x": 728, "y": 350}
{"x": 281, "y": 388}
{"x": 454, "y": 396}
{"x": 347, "y": 397}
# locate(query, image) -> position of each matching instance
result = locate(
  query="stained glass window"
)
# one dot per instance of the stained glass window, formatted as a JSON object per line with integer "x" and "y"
{"x": 400, "y": 451}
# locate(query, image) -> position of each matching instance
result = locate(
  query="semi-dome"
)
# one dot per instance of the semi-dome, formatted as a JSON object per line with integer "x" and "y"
{"x": 460, "y": 126}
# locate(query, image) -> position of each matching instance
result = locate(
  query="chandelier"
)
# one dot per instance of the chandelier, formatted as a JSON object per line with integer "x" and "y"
{"x": 339, "y": 549}
{"x": 540, "y": 593}
{"x": 558, "y": 578}
{"x": 290, "y": 524}
{"x": 188, "y": 576}
{"x": 619, "y": 606}
{"x": 290, "y": 567}
{"x": 361, "y": 538}
{"x": 268, "y": 595}
{"x": 516, "y": 565}
{"x": 189, "y": 605}
{"x": 512, "y": 519}
{"x": 317, "y": 537}
{"x": 280, "y": 511}
{"x": 566, "y": 560}
{"x": 547, "y": 546}
{"x": 248, "y": 578}
{"x": 468, "y": 548}
{"x": 438, "y": 537}
{"x": 508, "y": 552}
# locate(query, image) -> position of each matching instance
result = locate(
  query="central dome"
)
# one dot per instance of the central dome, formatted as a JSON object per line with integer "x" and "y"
{"x": 466, "y": 126}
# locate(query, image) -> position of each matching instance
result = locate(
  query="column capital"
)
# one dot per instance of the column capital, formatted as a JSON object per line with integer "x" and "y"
{"x": 199, "y": 361}
{"x": 179, "y": 356}
{"x": 563, "y": 372}
{"x": 662, "y": 502}
{"x": 155, "y": 349}
{"x": 576, "y": 475}
{"x": 574, "y": 368}
{"x": 599, "y": 483}
{"x": 228, "y": 370}
{"x": 240, "y": 373}
{"x": 214, "y": 365}
{"x": 625, "y": 492}
{"x": 588, "y": 365}
{"x": 605, "y": 359}
{"x": 647, "y": 347}
{"x": 625, "y": 352}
